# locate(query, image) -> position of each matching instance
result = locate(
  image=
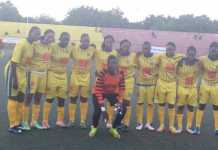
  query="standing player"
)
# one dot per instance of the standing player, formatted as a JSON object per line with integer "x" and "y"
{"x": 101, "y": 63}
{"x": 187, "y": 71}
{"x": 20, "y": 64}
{"x": 109, "y": 85}
{"x": 57, "y": 80}
{"x": 209, "y": 86}
{"x": 127, "y": 64}
{"x": 82, "y": 56}
{"x": 146, "y": 82}
{"x": 37, "y": 79}
{"x": 166, "y": 86}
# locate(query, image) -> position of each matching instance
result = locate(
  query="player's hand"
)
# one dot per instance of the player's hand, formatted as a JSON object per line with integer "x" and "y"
{"x": 119, "y": 108}
{"x": 15, "y": 85}
{"x": 104, "y": 114}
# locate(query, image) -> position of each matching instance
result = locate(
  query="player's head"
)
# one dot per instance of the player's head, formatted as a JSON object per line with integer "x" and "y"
{"x": 48, "y": 36}
{"x": 112, "y": 64}
{"x": 64, "y": 39}
{"x": 146, "y": 47}
{"x": 34, "y": 33}
{"x": 124, "y": 47}
{"x": 170, "y": 49}
{"x": 107, "y": 44}
{"x": 84, "y": 41}
{"x": 191, "y": 53}
{"x": 213, "y": 51}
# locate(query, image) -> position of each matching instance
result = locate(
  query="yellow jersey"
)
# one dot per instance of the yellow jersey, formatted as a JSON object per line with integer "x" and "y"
{"x": 127, "y": 64}
{"x": 83, "y": 60}
{"x": 41, "y": 56}
{"x": 210, "y": 70}
{"x": 60, "y": 58}
{"x": 101, "y": 57}
{"x": 187, "y": 74}
{"x": 147, "y": 69}
{"x": 23, "y": 53}
{"x": 167, "y": 67}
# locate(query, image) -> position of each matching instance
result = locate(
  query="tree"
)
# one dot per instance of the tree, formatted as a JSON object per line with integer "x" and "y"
{"x": 89, "y": 16}
{"x": 8, "y": 12}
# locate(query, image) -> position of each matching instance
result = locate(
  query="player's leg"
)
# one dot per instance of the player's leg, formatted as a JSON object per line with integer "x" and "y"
{"x": 181, "y": 102}
{"x": 36, "y": 111}
{"x": 191, "y": 104}
{"x": 96, "y": 117}
{"x": 73, "y": 93}
{"x": 60, "y": 112}
{"x": 12, "y": 114}
{"x": 84, "y": 106}
{"x": 118, "y": 117}
{"x": 110, "y": 111}
{"x": 20, "y": 103}
{"x": 46, "y": 112}
{"x": 171, "y": 100}
{"x": 214, "y": 97}
{"x": 150, "y": 93}
{"x": 129, "y": 90}
{"x": 203, "y": 99}
{"x": 161, "y": 96}
{"x": 141, "y": 92}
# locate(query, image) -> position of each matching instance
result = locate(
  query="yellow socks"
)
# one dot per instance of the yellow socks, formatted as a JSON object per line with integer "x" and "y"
{"x": 215, "y": 113}
{"x": 199, "y": 116}
{"x": 19, "y": 112}
{"x": 149, "y": 114}
{"x": 139, "y": 113}
{"x": 110, "y": 110}
{"x": 161, "y": 115}
{"x": 171, "y": 114}
{"x": 189, "y": 119}
{"x": 72, "y": 112}
{"x": 126, "y": 119}
{"x": 12, "y": 107}
{"x": 60, "y": 114}
{"x": 46, "y": 111}
{"x": 83, "y": 111}
{"x": 26, "y": 111}
{"x": 35, "y": 113}
{"x": 180, "y": 120}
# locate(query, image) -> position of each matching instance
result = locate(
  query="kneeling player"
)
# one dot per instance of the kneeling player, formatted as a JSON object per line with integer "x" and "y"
{"x": 57, "y": 80}
{"x": 209, "y": 86}
{"x": 187, "y": 71}
{"x": 109, "y": 85}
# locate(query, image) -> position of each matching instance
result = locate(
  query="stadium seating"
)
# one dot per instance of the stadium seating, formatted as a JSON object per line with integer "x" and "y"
{"x": 159, "y": 38}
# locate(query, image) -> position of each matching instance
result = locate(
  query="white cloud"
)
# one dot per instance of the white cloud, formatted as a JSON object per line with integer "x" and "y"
{"x": 134, "y": 10}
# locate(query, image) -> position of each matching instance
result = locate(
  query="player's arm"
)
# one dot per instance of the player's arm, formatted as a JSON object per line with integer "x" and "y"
{"x": 99, "y": 88}
{"x": 15, "y": 60}
{"x": 121, "y": 87}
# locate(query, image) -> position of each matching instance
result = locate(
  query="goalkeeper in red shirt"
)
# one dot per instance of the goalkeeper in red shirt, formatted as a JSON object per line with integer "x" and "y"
{"x": 109, "y": 85}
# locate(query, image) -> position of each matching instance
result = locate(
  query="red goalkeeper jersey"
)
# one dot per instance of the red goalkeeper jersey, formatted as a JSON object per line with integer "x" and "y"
{"x": 109, "y": 84}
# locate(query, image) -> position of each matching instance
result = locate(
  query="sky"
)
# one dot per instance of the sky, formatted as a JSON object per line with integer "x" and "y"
{"x": 134, "y": 10}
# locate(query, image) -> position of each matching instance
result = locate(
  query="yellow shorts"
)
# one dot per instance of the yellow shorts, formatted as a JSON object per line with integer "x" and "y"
{"x": 145, "y": 94}
{"x": 79, "y": 86}
{"x": 38, "y": 82}
{"x": 166, "y": 92}
{"x": 208, "y": 94}
{"x": 56, "y": 85}
{"x": 129, "y": 88}
{"x": 187, "y": 96}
